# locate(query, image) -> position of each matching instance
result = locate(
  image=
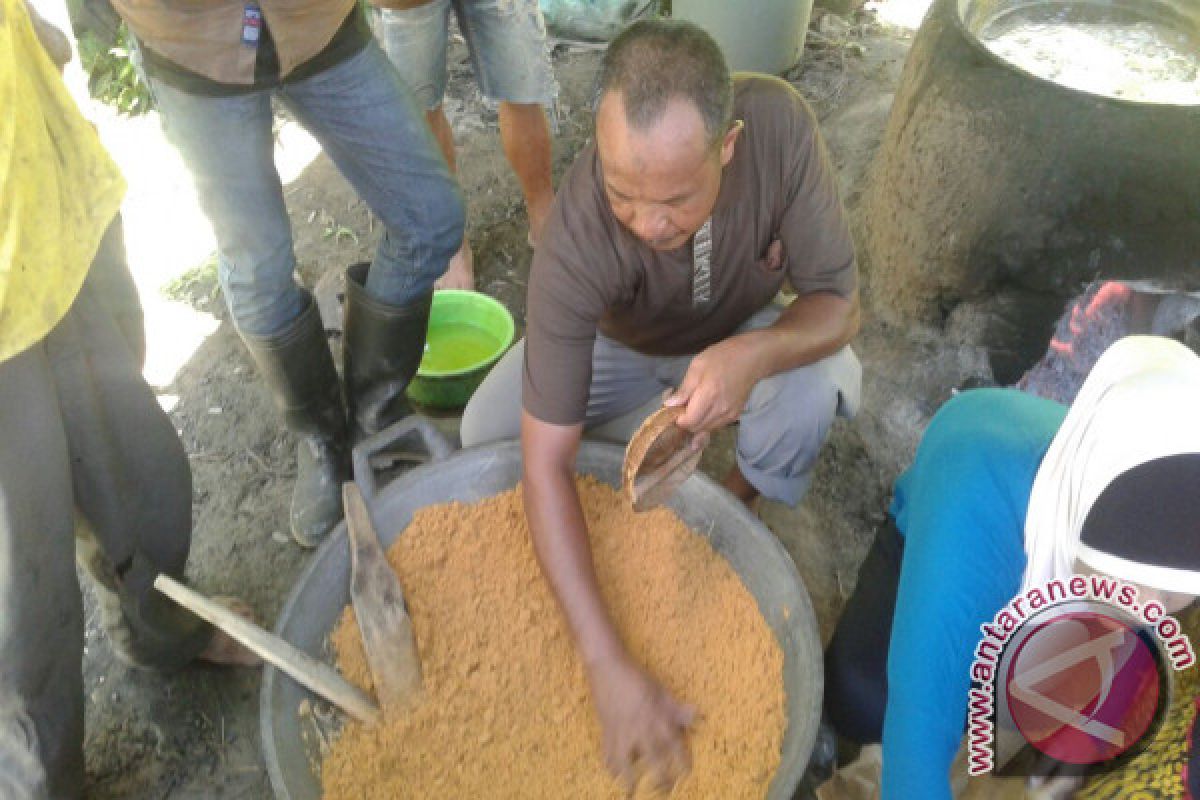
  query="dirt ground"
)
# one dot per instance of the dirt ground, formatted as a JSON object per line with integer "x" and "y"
{"x": 195, "y": 734}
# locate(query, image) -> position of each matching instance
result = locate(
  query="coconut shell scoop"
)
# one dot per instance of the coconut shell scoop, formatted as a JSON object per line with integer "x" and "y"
{"x": 660, "y": 457}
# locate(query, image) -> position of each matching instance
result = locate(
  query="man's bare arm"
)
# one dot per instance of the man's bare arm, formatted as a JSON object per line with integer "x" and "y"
{"x": 560, "y": 537}
{"x": 643, "y": 725}
{"x": 813, "y": 327}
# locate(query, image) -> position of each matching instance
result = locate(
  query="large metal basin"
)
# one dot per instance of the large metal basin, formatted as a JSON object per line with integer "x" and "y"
{"x": 322, "y": 591}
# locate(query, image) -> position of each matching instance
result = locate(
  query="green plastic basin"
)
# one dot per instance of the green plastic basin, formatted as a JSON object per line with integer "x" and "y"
{"x": 468, "y": 332}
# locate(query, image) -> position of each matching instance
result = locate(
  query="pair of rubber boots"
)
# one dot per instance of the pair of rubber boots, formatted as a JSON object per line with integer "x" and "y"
{"x": 382, "y": 346}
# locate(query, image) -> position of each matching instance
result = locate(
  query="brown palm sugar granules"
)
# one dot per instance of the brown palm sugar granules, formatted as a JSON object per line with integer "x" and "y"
{"x": 506, "y": 711}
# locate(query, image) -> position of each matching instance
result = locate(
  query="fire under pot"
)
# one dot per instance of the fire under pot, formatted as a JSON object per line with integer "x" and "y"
{"x": 1033, "y": 150}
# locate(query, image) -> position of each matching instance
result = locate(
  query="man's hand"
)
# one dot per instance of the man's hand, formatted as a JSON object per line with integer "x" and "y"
{"x": 717, "y": 384}
{"x": 719, "y": 380}
{"x": 644, "y": 727}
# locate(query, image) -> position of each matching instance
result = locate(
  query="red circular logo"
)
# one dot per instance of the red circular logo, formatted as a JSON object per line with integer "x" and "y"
{"x": 1083, "y": 688}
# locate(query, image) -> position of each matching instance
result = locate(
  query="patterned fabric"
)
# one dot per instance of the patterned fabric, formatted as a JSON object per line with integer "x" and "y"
{"x": 1160, "y": 771}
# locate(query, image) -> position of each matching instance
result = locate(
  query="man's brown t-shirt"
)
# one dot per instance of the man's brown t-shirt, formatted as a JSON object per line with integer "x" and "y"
{"x": 591, "y": 273}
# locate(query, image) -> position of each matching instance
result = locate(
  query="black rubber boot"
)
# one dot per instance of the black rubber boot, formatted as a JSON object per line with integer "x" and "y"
{"x": 383, "y": 345}
{"x": 298, "y": 367}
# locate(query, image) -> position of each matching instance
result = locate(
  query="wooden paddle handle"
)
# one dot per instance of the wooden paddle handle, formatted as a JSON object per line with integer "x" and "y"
{"x": 365, "y": 549}
{"x": 378, "y": 599}
{"x": 315, "y": 675}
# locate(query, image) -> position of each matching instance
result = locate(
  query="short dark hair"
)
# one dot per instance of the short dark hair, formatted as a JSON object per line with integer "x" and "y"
{"x": 655, "y": 60}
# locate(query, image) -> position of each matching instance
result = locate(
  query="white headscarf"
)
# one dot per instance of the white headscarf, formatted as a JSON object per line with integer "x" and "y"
{"x": 1141, "y": 402}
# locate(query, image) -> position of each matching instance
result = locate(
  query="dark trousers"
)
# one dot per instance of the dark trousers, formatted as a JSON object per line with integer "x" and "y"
{"x": 82, "y": 433}
{"x": 856, "y": 660}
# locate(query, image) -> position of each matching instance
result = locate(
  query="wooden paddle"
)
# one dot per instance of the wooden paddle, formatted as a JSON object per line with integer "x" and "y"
{"x": 378, "y": 601}
{"x": 305, "y": 670}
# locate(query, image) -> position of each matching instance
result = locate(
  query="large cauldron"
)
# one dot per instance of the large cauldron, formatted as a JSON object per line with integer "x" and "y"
{"x": 323, "y": 590}
{"x": 992, "y": 182}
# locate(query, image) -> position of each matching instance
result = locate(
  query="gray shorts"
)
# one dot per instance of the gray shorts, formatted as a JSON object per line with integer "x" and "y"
{"x": 506, "y": 40}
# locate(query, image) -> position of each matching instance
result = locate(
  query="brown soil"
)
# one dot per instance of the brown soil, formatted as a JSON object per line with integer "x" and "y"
{"x": 506, "y": 711}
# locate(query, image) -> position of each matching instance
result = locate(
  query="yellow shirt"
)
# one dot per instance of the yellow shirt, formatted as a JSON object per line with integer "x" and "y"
{"x": 59, "y": 190}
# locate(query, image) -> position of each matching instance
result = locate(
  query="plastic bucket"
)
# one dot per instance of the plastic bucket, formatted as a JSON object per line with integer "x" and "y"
{"x": 468, "y": 332}
{"x": 756, "y": 36}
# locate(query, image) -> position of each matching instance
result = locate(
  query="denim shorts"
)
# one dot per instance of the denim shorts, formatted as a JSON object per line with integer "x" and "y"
{"x": 506, "y": 40}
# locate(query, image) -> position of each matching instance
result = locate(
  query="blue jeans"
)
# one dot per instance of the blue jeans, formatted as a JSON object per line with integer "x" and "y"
{"x": 370, "y": 125}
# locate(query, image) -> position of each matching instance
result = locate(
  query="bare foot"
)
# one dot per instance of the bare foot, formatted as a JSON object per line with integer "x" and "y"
{"x": 460, "y": 274}
{"x": 222, "y": 648}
